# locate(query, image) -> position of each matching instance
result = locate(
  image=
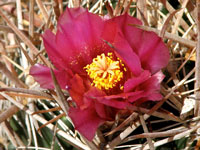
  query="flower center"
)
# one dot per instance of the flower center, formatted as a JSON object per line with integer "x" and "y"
{"x": 105, "y": 72}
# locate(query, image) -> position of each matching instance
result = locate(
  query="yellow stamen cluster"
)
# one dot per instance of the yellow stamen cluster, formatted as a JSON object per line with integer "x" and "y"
{"x": 105, "y": 72}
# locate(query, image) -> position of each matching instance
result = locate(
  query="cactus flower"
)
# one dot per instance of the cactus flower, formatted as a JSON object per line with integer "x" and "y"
{"x": 105, "y": 64}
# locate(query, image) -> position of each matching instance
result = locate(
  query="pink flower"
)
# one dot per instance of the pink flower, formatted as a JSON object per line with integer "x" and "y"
{"x": 106, "y": 65}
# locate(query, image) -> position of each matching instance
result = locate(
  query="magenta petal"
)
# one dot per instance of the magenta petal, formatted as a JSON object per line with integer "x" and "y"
{"x": 122, "y": 95}
{"x": 155, "y": 96}
{"x": 131, "y": 96}
{"x": 137, "y": 96}
{"x": 77, "y": 89}
{"x": 152, "y": 87}
{"x": 112, "y": 34}
{"x": 135, "y": 81}
{"x": 149, "y": 95}
{"x": 86, "y": 121}
{"x": 149, "y": 86}
{"x": 77, "y": 37}
{"x": 153, "y": 53}
{"x": 70, "y": 13}
{"x": 93, "y": 93}
{"x": 80, "y": 30}
{"x": 153, "y": 83}
{"x": 99, "y": 96}
{"x": 89, "y": 115}
{"x": 43, "y": 76}
{"x": 113, "y": 103}
{"x": 101, "y": 110}
{"x": 52, "y": 51}
{"x": 56, "y": 52}
{"x": 90, "y": 98}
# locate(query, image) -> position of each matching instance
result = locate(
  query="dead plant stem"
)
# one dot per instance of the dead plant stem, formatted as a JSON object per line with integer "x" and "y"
{"x": 197, "y": 71}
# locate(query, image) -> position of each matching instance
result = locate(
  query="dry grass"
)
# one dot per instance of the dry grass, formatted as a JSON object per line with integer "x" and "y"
{"x": 21, "y": 24}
